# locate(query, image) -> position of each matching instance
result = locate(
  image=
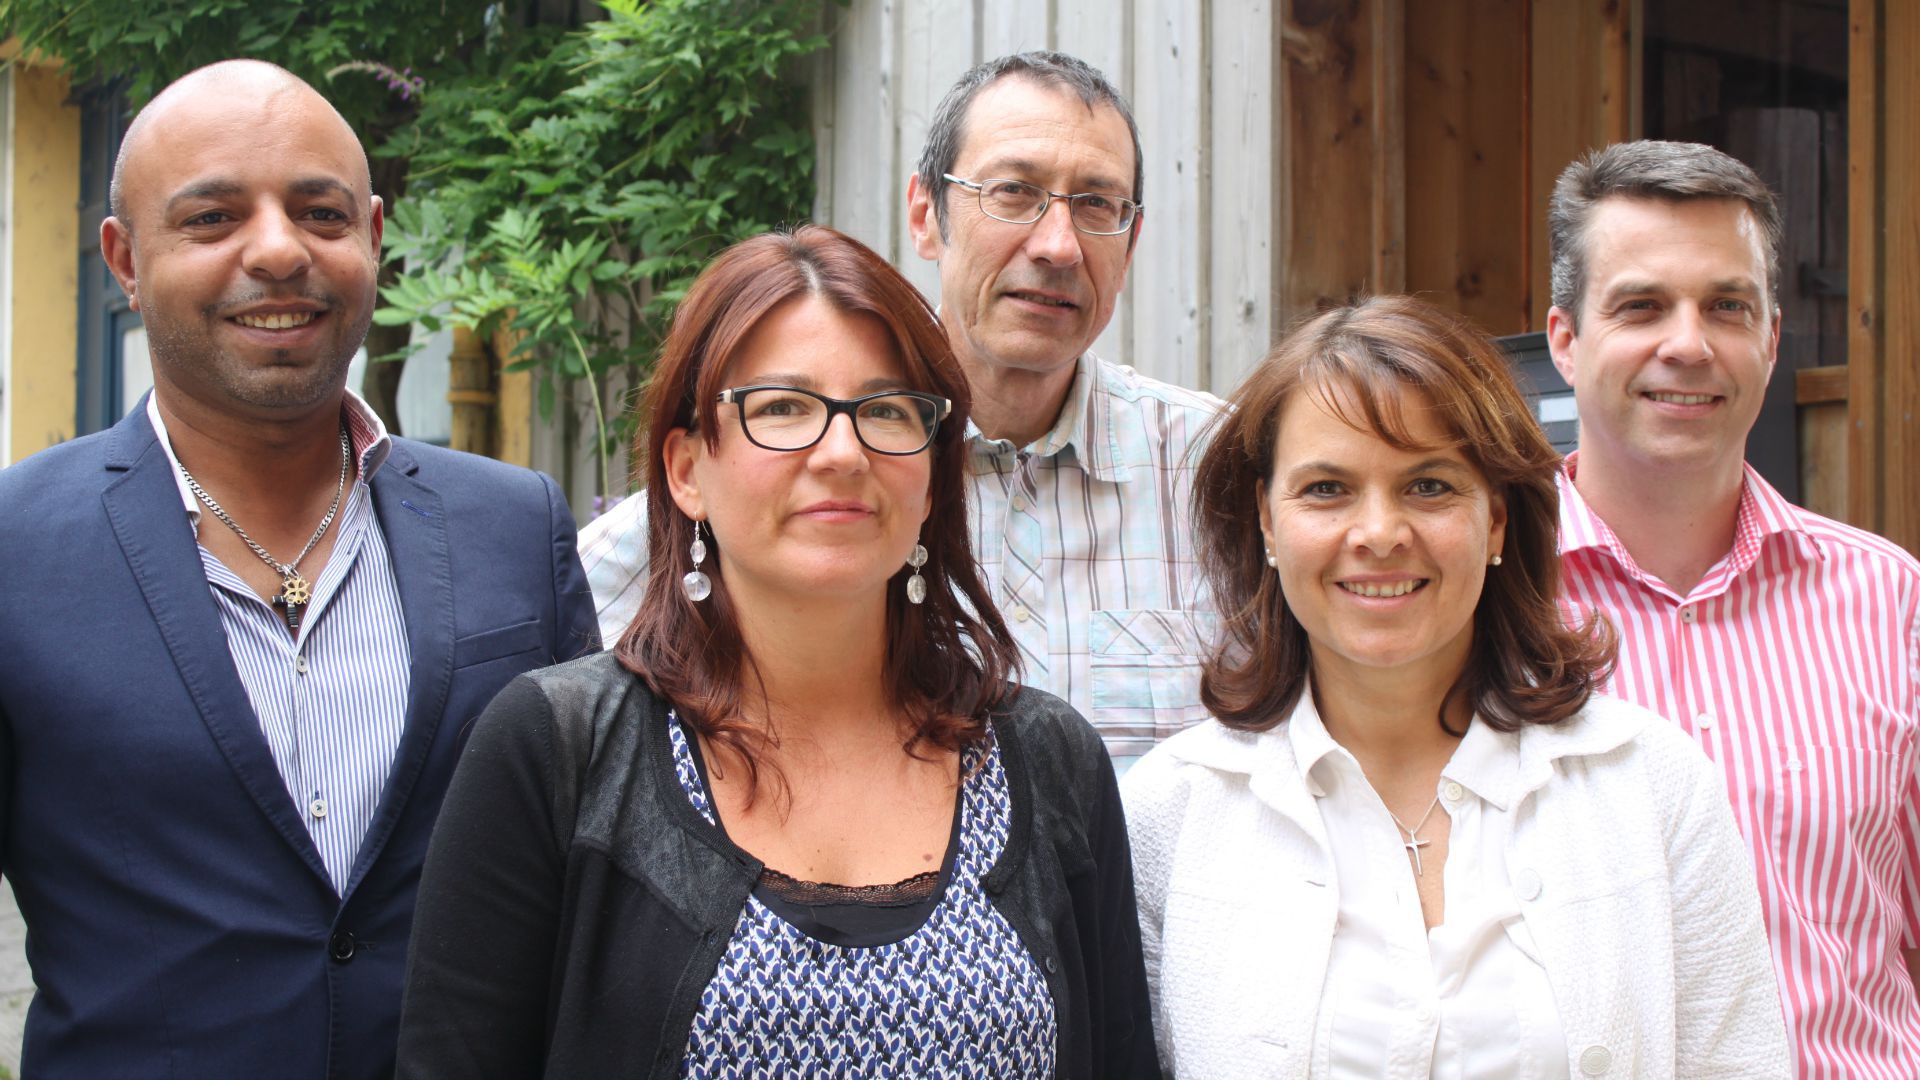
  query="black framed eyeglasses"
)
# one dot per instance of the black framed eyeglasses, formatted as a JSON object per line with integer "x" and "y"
{"x": 898, "y": 422}
{"x": 1017, "y": 202}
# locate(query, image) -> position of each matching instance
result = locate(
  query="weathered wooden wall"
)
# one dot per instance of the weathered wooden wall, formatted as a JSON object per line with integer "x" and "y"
{"x": 1883, "y": 349}
{"x": 1302, "y": 151}
{"x": 1298, "y": 152}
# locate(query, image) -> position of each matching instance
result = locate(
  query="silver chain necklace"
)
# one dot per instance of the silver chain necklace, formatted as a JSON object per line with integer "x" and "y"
{"x": 295, "y": 591}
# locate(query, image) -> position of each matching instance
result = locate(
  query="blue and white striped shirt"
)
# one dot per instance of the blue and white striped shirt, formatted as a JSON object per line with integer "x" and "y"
{"x": 332, "y": 702}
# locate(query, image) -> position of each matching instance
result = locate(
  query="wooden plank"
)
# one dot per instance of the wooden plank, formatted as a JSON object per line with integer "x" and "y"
{"x": 1240, "y": 187}
{"x": 1169, "y": 288}
{"x": 821, "y": 78}
{"x": 1864, "y": 402}
{"x": 1388, "y": 115}
{"x": 516, "y": 413}
{"x": 1899, "y": 211}
{"x": 1012, "y": 26}
{"x": 1580, "y": 98}
{"x": 1823, "y": 457}
{"x": 1096, "y": 31}
{"x": 1099, "y": 32}
{"x": 1618, "y": 119}
{"x": 470, "y": 392}
{"x": 1326, "y": 154}
{"x": 1465, "y": 160}
{"x": 1820, "y": 385}
{"x": 865, "y": 200}
{"x": 936, "y": 47}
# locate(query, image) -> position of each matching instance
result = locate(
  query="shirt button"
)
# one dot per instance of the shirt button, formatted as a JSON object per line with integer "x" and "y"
{"x": 1793, "y": 764}
{"x": 1453, "y": 791}
{"x": 1595, "y": 1060}
{"x": 300, "y": 664}
{"x": 1021, "y": 614}
{"x": 1527, "y": 884}
{"x": 1019, "y": 504}
{"x": 318, "y": 808}
{"x": 1704, "y": 720}
{"x": 1686, "y": 616}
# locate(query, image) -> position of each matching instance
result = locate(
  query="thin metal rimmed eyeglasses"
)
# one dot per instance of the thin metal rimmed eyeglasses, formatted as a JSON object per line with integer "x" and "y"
{"x": 1017, "y": 202}
{"x": 897, "y": 422}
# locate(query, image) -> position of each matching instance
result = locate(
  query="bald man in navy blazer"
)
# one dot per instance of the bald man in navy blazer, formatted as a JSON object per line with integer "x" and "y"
{"x": 244, "y": 632}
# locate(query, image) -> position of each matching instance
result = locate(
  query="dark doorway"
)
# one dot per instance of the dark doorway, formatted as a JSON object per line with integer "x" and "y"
{"x": 1766, "y": 81}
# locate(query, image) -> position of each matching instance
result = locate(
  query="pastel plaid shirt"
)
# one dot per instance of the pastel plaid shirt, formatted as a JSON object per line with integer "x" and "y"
{"x": 1085, "y": 538}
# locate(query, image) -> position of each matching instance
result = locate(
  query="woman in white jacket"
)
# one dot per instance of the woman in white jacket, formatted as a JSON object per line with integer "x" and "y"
{"x": 1414, "y": 842}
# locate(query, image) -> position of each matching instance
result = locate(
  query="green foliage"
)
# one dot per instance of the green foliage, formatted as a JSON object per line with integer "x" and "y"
{"x": 573, "y": 196}
{"x": 143, "y": 46}
{"x": 566, "y": 185}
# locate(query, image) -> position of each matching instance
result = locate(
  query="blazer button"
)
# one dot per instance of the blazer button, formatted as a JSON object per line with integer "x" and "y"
{"x": 1527, "y": 884}
{"x": 1595, "y": 1060}
{"x": 1052, "y": 966}
{"x": 341, "y": 947}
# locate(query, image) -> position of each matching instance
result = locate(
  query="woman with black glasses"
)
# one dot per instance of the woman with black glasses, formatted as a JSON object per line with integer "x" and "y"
{"x": 798, "y": 822}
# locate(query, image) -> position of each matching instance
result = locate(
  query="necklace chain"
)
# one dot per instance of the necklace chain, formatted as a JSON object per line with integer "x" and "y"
{"x": 1421, "y": 824}
{"x": 283, "y": 569}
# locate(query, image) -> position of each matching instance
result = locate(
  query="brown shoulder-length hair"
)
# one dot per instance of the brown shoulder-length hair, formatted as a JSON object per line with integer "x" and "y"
{"x": 948, "y": 660}
{"x": 1527, "y": 666}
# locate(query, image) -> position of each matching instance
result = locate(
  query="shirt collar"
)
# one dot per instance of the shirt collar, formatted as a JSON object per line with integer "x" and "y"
{"x": 365, "y": 433}
{"x": 1089, "y": 425}
{"x": 1504, "y": 767}
{"x": 1499, "y": 767}
{"x": 1763, "y": 512}
{"x": 1311, "y": 742}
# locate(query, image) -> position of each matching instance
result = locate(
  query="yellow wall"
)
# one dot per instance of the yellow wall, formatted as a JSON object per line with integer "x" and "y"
{"x": 45, "y": 220}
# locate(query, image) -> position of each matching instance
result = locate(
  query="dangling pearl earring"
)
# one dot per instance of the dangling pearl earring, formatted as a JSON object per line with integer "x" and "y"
{"x": 697, "y": 584}
{"x": 1495, "y": 561}
{"x": 917, "y": 585}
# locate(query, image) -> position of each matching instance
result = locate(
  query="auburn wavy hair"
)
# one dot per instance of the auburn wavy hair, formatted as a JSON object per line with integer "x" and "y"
{"x": 950, "y": 659}
{"x": 1527, "y": 666}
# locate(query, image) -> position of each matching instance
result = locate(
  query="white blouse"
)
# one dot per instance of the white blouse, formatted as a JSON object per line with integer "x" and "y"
{"x": 1467, "y": 1000}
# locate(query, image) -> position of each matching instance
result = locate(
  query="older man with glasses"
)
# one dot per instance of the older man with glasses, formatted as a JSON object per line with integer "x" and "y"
{"x": 1081, "y": 469}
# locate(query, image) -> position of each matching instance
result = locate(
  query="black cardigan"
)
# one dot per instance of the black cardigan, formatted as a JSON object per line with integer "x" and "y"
{"x": 574, "y": 905}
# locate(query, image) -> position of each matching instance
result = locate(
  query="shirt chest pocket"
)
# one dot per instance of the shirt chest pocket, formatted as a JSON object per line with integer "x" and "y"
{"x": 1835, "y": 817}
{"x": 1144, "y": 669}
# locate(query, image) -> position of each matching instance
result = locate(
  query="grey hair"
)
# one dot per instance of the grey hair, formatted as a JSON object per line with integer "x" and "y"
{"x": 1648, "y": 169}
{"x": 1045, "y": 68}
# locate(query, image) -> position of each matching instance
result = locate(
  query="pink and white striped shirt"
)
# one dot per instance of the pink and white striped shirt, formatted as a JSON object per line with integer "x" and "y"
{"x": 1795, "y": 663}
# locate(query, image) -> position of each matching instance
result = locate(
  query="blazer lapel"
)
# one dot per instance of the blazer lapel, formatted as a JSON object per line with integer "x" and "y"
{"x": 143, "y": 507}
{"x": 414, "y": 524}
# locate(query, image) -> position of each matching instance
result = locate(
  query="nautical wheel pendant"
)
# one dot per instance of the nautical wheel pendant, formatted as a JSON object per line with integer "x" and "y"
{"x": 295, "y": 592}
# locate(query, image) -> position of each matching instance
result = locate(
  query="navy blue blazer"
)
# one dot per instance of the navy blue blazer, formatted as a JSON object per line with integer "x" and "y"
{"x": 179, "y": 920}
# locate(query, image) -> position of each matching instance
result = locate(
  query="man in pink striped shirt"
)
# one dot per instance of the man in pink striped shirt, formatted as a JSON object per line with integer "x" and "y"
{"x": 1787, "y": 644}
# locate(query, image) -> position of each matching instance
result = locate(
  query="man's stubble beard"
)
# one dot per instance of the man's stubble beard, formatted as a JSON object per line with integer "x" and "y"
{"x": 276, "y": 386}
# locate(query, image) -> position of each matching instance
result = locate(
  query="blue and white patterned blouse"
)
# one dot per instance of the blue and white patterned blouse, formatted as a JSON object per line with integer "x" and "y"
{"x": 959, "y": 997}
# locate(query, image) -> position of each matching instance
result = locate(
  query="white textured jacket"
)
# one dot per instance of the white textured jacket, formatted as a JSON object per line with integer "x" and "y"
{"x": 1623, "y": 857}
